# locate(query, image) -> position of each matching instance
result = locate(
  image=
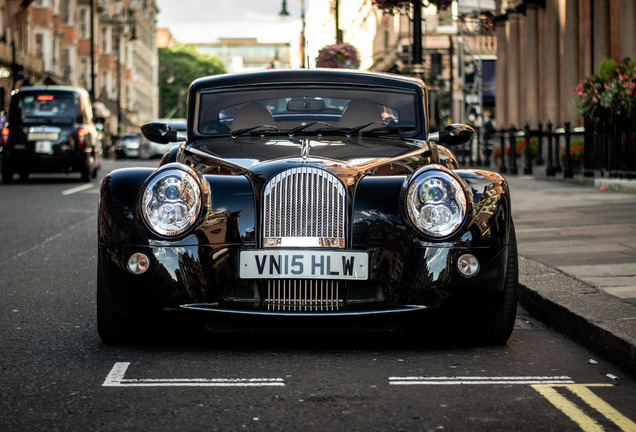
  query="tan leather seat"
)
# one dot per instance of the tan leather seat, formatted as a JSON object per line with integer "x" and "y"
{"x": 252, "y": 114}
{"x": 359, "y": 112}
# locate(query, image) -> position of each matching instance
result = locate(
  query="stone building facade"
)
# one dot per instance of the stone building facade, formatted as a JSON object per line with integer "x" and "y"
{"x": 110, "y": 51}
{"x": 546, "y": 47}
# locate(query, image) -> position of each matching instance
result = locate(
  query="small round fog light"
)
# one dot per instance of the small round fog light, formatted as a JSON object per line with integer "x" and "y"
{"x": 138, "y": 263}
{"x": 468, "y": 265}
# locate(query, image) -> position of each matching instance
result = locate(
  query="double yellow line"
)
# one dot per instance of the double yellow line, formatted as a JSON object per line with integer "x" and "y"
{"x": 576, "y": 414}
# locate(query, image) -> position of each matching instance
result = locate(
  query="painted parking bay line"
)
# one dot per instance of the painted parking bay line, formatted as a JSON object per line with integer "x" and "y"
{"x": 116, "y": 378}
{"x": 477, "y": 380}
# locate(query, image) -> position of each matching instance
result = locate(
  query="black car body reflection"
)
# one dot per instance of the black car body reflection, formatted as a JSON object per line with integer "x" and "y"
{"x": 316, "y": 198}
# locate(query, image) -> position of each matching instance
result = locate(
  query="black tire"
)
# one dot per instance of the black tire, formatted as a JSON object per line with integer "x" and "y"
{"x": 144, "y": 152}
{"x": 87, "y": 172}
{"x": 24, "y": 176}
{"x": 497, "y": 329}
{"x": 7, "y": 174}
{"x": 112, "y": 327}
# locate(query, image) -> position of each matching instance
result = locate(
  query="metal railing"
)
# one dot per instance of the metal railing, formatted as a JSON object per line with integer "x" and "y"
{"x": 603, "y": 148}
{"x": 552, "y": 149}
{"x": 610, "y": 146}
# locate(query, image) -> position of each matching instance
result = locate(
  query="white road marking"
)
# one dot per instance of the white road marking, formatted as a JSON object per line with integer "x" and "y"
{"x": 53, "y": 237}
{"x": 536, "y": 230}
{"x": 116, "y": 379}
{"x": 77, "y": 189}
{"x": 522, "y": 380}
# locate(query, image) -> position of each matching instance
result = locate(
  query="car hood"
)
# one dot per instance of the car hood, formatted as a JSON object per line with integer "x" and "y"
{"x": 369, "y": 155}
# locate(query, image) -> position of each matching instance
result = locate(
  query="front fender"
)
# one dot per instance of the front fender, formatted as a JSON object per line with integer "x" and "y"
{"x": 229, "y": 218}
{"x": 118, "y": 198}
{"x": 491, "y": 215}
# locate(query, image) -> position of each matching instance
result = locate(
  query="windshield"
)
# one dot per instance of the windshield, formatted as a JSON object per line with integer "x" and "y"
{"x": 48, "y": 107}
{"x": 307, "y": 110}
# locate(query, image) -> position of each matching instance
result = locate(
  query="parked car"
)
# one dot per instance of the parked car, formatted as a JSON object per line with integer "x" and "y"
{"x": 159, "y": 149}
{"x": 308, "y": 199}
{"x": 50, "y": 129}
{"x": 132, "y": 145}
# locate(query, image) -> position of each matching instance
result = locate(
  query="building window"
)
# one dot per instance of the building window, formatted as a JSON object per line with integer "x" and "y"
{"x": 84, "y": 73}
{"x": 84, "y": 24}
{"x": 104, "y": 40}
{"x": 39, "y": 45}
{"x": 66, "y": 65}
{"x": 3, "y": 29}
{"x": 65, "y": 11}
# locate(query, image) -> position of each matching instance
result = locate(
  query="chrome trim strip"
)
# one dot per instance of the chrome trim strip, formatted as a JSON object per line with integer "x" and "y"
{"x": 394, "y": 310}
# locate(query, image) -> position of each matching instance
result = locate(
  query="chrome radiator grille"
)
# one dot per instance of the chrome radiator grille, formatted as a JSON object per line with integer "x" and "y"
{"x": 307, "y": 295}
{"x": 304, "y": 206}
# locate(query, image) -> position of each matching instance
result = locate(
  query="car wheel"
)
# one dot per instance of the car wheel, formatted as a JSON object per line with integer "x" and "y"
{"x": 87, "y": 172}
{"x": 497, "y": 327}
{"x": 7, "y": 175}
{"x": 112, "y": 327}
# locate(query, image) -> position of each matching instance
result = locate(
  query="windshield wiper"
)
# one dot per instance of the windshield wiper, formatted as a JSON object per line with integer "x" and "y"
{"x": 254, "y": 129}
{"x": 291, "y": 132}
{"x": 391, "y": 129}
{"x": 383, "y": 127}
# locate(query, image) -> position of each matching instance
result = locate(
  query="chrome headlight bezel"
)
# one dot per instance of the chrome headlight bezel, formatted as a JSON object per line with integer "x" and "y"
{"x": 172, "y": 200}
{"x": 436, "y": 203}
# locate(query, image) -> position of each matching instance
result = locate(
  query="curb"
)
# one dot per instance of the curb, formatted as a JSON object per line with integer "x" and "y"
{"x": 616, "y": 185}
{"x": 597, "y": 320}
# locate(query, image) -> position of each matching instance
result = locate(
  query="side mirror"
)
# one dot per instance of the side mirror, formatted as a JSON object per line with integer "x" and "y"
{"x": 454, "y": 134}
{"x": 159, "y": 133}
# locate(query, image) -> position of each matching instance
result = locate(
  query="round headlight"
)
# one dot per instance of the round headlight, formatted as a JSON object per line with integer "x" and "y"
{"x": 172, "y": 202}
{"x": 436, "y": 204}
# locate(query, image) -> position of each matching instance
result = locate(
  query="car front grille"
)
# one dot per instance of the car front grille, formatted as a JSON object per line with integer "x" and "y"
{"x": 306, "y": 295}
{"x": 304, "y": 203}
{"x": 304, "y": 207}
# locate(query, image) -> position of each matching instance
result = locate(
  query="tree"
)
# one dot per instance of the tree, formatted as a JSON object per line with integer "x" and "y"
{"x": 178, "y": 67}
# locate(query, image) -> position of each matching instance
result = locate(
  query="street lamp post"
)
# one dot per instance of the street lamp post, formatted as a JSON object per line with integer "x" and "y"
{"x": 92, "y": 18}
{"x": 417, "y": 68}
{"x": 118, "y": 27}
{"x": 284, "y": 13}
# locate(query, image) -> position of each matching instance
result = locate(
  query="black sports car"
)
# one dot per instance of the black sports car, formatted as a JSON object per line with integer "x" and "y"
{"x": 307, "y": 199}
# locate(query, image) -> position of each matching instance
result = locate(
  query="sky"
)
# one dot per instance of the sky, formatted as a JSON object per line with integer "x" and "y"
{"x": 199, "y": 21}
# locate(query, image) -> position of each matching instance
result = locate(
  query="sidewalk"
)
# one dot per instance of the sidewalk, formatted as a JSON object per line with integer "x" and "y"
{"x": 577, "y": 248}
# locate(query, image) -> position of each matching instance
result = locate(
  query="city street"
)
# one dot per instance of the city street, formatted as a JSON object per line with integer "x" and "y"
{"x": 56, "y": 374}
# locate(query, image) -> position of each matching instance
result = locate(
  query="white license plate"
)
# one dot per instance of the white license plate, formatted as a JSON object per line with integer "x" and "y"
{"x": 303, "y": 264}
{"x": 45, "y": 136}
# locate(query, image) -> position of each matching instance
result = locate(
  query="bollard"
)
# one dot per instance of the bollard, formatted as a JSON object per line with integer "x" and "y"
{"x": 512, "y": 156}
{"x": 557, "y": 153}
{"x": 549, "y": 168}
{"x": 539, "y": 161}
{"x": 487, "y": 149}
{"x": 527, "y": 169}
{"x": 502, "y": 143}
{"x": 567, "y": 159}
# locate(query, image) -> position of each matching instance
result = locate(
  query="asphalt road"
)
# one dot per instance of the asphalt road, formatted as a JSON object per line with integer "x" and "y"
{"x": 57, "y": 375}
